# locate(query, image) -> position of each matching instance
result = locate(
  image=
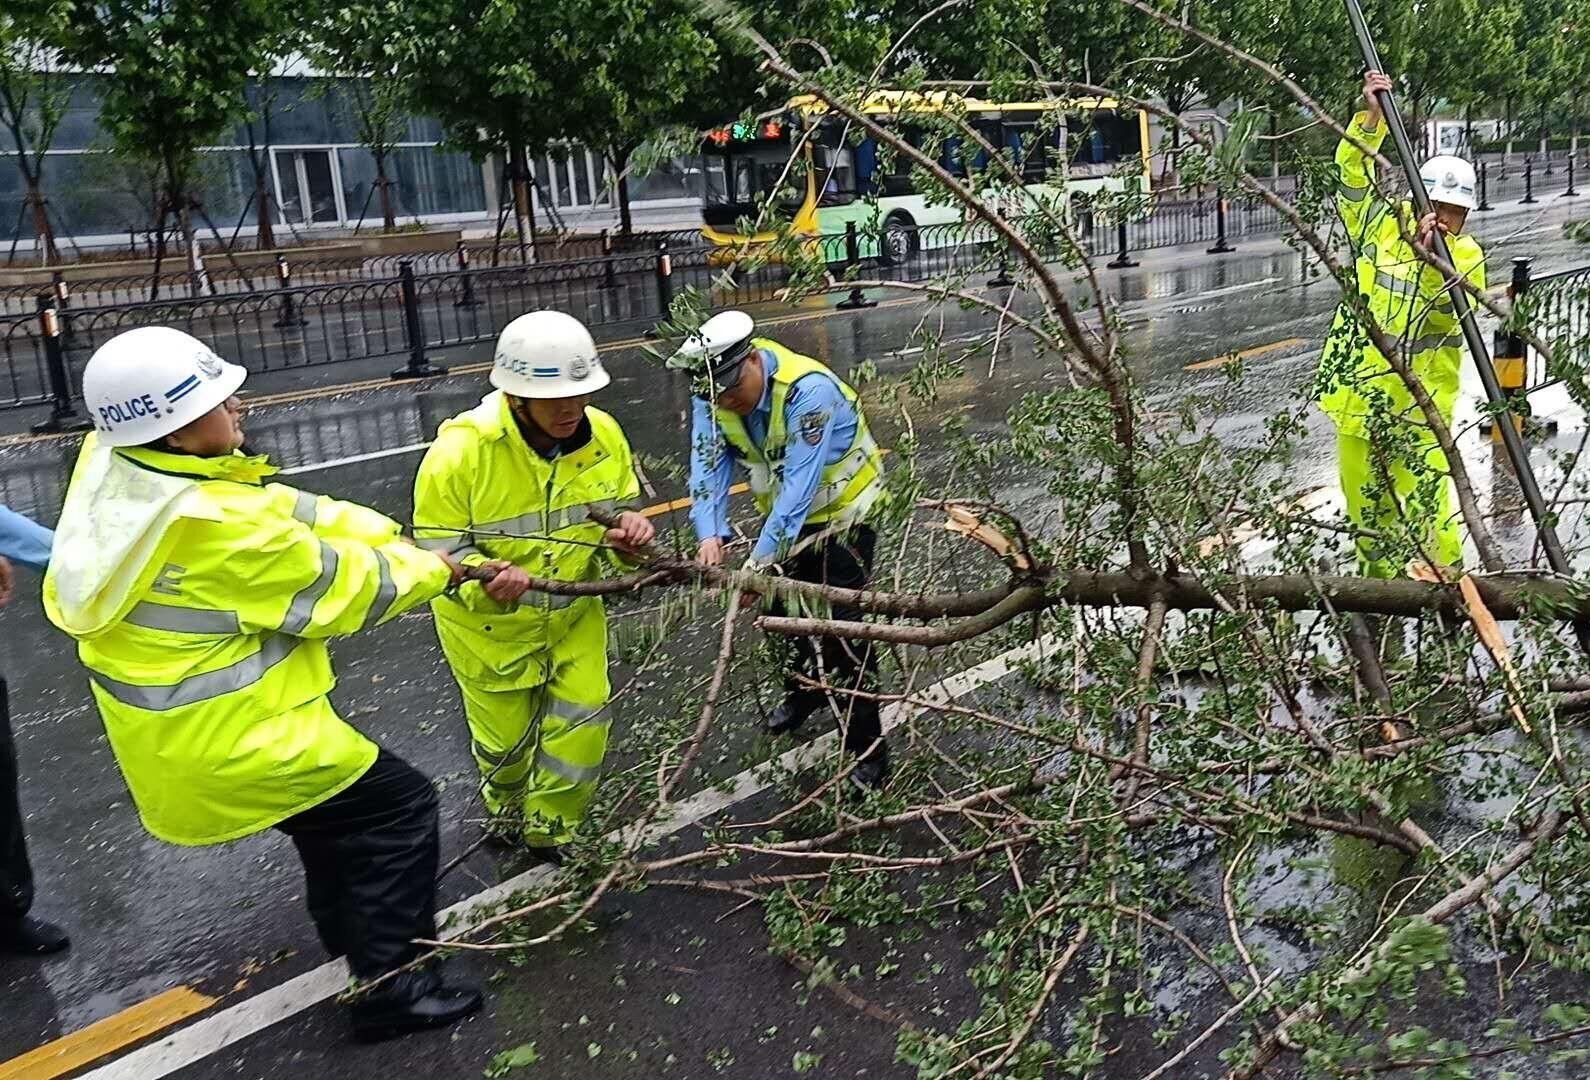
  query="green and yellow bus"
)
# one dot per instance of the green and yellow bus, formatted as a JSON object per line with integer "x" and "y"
{"x": 836, "y": 179}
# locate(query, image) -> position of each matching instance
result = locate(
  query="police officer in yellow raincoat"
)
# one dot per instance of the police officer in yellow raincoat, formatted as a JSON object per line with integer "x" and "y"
{"x": 1394, "y": 477}
{"x": 202, "y": 596}
{"x": 512, "y": 484}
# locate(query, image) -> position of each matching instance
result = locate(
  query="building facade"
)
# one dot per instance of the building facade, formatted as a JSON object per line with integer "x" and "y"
{"x": 320, "y": 179}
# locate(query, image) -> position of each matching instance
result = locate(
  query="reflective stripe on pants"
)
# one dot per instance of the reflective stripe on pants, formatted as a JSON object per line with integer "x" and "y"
{"x": 540, "y": 748}
{"x": 1403, "y": 518}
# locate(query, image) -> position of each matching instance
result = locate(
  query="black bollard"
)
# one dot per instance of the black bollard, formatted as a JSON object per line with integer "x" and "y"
{"x": 288, "y": 315}
{"x": 466, "y": 292}
{"x": 1221, "y": 247}
{"x": 64, "y": 414}
{"x": 665, "y": 286}
{"x": 1570, "y": 193}
{"x": 1122, "y": 259}
{"x": 609, "y": 275}
{"x": 418, "y": 366}
{"x": 1485, "y": 195}
{"x": 857, "y": 299}
{"x": 1529, "y": 181}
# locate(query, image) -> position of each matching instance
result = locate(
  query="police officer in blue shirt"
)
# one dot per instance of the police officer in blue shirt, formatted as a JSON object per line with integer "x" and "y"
{"x": 815, "y": 472}
{"x": 28, "y": 543}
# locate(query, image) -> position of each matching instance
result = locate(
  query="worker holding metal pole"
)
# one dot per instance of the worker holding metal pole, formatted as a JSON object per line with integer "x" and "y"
{"x": 1394, "y": 476}
{"x": 1463, "y": 311}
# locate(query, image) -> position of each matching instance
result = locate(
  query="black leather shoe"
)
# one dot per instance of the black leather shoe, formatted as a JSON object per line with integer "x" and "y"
{"x": 32, "y": 937}
{"x": 788, "y": 717}
{"x": 382, "y": 1017}
{"x": 870, "y": 774}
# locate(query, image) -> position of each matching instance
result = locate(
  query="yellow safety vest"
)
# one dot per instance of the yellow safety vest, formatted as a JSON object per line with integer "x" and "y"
{"x": 201, "y": 599}
{"x": 482, "y": 493}
{"x": 1406, "y": 297}
{"x": 850, "y": 486}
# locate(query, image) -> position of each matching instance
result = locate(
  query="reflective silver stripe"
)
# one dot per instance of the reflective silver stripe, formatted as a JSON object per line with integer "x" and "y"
{"x": 518, "y": 787}
{"x": 459, "y": 553}
{"x": 500, "y": 761}
{"x": 196, "y": 688}
{"x": 304, "y": 508}
{"x": 524, "y": 523}
{"x": 761, "y": 478}
{"x": 1353, "y": 194}
{"x": 580, "y": 714}
{"x": 1395, "y": 284}
{"x": 302, "y": 610}
{"x": 575, "y": 774}
{"x": 534, "y": 522}
{"x": 385, "y": 593}
{"x": 180, "y": 620}
{"x": 439, "y": 543}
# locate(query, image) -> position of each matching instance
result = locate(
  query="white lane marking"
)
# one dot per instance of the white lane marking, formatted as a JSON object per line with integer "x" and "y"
{"x": 354, "y": 459}
{"x": 1228, "y": 289}
{"x": 220, "y": 1030}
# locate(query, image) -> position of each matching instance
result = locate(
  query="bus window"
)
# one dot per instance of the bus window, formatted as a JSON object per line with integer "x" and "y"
{"x": 1100, "y": 140}
{"x": 866, "y": 159}
{"x": 836, "y": 176}
{"x": 1030, "y": 145}
{"x": 951, "y": 157}
{"x": 898, "y": 180}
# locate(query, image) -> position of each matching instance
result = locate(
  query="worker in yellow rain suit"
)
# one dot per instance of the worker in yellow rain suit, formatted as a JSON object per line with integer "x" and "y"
{"x": 1394, "y": 476}
{"x": 511, "y": 484}
{"x": 201, "y": 598}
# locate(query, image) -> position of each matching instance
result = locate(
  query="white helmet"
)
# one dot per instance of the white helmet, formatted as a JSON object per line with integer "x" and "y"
{"x": 1450, "y": 180}
{"x": 149, "y": 382}
{"x": 547, "y": 354}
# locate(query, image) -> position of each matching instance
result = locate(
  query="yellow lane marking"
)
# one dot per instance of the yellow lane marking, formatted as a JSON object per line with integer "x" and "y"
{"x": 1245, "y": 354}
{"x": 132, "y": 1025}
{"x": 681, "y": 504}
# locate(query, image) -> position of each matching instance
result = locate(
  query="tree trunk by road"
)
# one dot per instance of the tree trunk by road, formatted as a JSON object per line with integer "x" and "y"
{"x": 523, "y": 206}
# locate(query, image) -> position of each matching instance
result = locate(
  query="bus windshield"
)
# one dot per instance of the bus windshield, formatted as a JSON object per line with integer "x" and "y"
{"x": 754, "y": 163}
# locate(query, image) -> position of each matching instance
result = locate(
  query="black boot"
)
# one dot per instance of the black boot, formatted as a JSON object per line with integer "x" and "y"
{"x": 28, "y": 936}
{"x": 410, "y": 1002}
{"x": 872, "y": 771}
{"x": 790, "y": 714}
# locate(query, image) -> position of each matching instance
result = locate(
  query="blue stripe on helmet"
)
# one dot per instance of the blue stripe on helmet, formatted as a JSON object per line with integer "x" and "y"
{"x": 182, "y": 388}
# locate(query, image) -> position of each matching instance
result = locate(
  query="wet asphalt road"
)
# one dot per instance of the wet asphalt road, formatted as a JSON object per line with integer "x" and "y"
{"x": 671, "y": 990}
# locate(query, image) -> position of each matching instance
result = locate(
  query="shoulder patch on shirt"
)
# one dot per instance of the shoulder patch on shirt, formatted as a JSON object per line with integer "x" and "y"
{"x": 811, "y": 425}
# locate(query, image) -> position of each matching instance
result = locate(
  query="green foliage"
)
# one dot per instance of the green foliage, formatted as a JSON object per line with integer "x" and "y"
{"x": 509, "y": 1060}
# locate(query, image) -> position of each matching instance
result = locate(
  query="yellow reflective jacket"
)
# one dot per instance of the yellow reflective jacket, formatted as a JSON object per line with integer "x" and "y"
{"x": 201, "y": 598}
{"x": 1405, "y": 295}
{"x": 850, "y": 486}
{"x": 482, "y": 493}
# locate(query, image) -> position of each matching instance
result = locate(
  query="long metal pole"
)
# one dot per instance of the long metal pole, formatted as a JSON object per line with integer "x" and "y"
{"x": 1517, "y": 453}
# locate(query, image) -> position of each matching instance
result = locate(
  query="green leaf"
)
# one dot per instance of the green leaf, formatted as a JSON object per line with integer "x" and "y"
{"x": 517, "y": 1058}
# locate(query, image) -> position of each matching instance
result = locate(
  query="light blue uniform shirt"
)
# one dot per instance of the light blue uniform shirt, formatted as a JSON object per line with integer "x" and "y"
{"x": 23, "y": 540}
{"x": 808, "y": 452}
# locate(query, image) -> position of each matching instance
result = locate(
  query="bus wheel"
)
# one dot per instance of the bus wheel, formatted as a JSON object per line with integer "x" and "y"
{"x": 900, "y": 240}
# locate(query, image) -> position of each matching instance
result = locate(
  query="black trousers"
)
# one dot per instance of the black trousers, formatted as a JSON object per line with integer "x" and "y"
{"x": 843, "y": 560}
{"x": 16, "y": 876}
{"x": 370, "y": 857}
